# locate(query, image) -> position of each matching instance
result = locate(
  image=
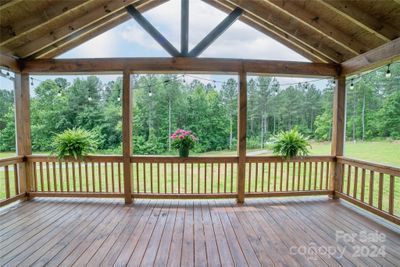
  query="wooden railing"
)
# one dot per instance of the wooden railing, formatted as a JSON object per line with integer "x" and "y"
{"x": 274, "y": 176}
{"x": 372, "y": 186}
{"x": 9, "y": 177}
{"x": 95, "y": 176}
{"x": 193, "y": 177}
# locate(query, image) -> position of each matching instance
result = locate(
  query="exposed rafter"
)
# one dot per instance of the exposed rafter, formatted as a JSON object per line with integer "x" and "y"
{"x": 317, "y": 23}
{"x": 92, "y": 30}
{"x": 184, "y": 27}
{"x": 216, "y": 32}
{"x": 348, "y": 10}
{"x": 149, "y": 28}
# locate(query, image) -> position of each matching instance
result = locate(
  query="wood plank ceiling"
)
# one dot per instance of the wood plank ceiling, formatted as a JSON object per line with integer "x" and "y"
{"x": 320, "y": 30}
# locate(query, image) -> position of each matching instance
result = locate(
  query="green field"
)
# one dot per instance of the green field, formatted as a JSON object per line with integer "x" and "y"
{"x": 379, "y": 152}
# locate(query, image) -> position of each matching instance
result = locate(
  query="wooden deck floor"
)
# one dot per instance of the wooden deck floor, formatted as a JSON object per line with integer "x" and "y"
{"x": 272, "y": 232}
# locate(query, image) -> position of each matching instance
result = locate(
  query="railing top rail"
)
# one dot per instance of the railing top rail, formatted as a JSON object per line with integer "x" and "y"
{"x": 296, "y": 159}
{"x": 94, "y": 158}
{"x": 382, "y": 168}
{"x": 11, "y": 160}
{"x": 169, "y": 159}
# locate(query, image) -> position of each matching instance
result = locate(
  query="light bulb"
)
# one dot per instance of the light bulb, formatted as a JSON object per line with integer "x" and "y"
{"x": 89, "y": 98}
{"x": 118, "y": 99}
{"x": 150, "y": 93}
{"x": 388, "y": 74}
{"x": 59, "y": 94}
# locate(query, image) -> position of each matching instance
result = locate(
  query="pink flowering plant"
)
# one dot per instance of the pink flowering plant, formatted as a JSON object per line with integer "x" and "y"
{"x": 183, "y": 141}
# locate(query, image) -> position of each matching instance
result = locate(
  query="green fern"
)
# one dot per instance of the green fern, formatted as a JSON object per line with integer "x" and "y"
{"x": 76, "y": 143}
{"x": 290, "y": 144}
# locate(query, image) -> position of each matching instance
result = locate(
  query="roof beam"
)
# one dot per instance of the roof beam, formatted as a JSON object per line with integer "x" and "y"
{"x": 275, "y": 19}
{"x": 375, "y": 58}
{"x": 9, "y": 63}
{"x": 92, "y": 30}
{"x": 31, "y": 23}
{"x": 316, "y": 22}
{"x": 274, "y": 33}
{"x": 53, "y": 35}
{"x": 346, "y": 9}
{"x": 184, "y": 27}
{"x": 4, "y": 4}
{"x": 150, "y": 29}
{"x": 216, "y": 32}
{"x": 180, "y": 64}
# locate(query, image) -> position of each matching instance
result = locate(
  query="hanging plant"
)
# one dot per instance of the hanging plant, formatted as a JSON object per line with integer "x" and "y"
{"x": 290, "y": 144}
{"x": 75, "y": 143}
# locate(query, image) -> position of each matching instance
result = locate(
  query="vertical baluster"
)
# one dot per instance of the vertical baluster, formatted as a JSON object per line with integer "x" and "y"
{"x": 205, "y": 178}
{"x": 371, "y": 188}
{"x": 269, "y": 176}
{"x": 119, "y": 177}
{"x": 144, "y": 177}
{"x": 298, "y": 176}
{"x": 87, "y": 176}
{"x": 231, "y": 177}
{"x": 281, "y": 177}
{"x": 275, "y": 170}
{"x": 362, "y": 184}
{"x": 179, "y": 177}
{"x": 256, "y": 178}
{"x": 151, "y": 177}
{"x": 191, "y": 178}
{"x": 112, "y": 177}
{"x": 80, "y": 177}
{"x": 7, "y": 181}
{"x": 16, "y": 184}
{"x": 165, "y": 177}
{"x": 99, "y": 178}
{"x": 41, "y": 176}
{"x": 328, "y": 164}
{"x": 287, "y": 176}
{"x": 391, "y": 194}
{"x": 73, "y": 176}
{"x": 185, "y": 174}
{"x": 93, "y": 178}
{"x": 219, "y": 178}
{"x": 309, "y": 176}
{"x": 348, "y": 179}
{"x": 321, "y": 175}
{"x": 263, "y": 175}
{"x": 54, "y": 177}
{"x": 249, "y": 181}
{"x": 172, "y": 177}
{"x": 212, "y": 178}
{"x": 225, "y": 176}
{"x": 315, "y": 175}
{"x": 304, "y": 175}
{"x": 60, "y": 166}
{"x": 48, "y": 176}
{"x": 158, "y": 177}
{"x": 106, "y": 175}
{"x": 137, "y": 178}
{"x": 380, "y": 192}
{"x": 355, "y": 182}
{"x": 35, "y": 178}
{"x": 198, "y": 178}
{"x": 294, "y": 175}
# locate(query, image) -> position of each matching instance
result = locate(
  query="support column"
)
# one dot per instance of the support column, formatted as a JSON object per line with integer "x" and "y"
{"x": 127, "y": 134}
{"x": 338, "y": 131}
{"x": 242, "y": 127}
{"x": 23, "y": 129}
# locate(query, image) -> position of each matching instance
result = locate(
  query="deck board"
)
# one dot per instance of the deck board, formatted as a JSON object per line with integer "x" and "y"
{"x": 262, "y": 232}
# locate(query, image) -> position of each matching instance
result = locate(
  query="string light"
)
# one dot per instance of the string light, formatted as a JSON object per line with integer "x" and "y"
{"x": 90, "y": 98}
{"x": 59, "y": 93}
{"x": 388, "y": 74}
{"x": 118, "y": 99}
{"x": 352, "y": 84}
{"x": 31, "y": 81}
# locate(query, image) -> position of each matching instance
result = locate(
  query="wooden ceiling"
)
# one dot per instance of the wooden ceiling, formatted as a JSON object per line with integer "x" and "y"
{"x": 330, "y": 31}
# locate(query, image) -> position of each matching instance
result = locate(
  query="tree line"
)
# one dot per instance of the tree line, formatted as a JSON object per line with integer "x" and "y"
{"x": 163, "y": 103}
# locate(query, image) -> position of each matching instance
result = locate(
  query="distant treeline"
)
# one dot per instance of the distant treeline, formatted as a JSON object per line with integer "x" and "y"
{"x": 163, "y": 103}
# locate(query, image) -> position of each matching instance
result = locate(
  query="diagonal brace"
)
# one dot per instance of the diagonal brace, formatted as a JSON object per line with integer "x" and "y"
{"x": 147, "y": 26}
{"x": 216, "y": 32}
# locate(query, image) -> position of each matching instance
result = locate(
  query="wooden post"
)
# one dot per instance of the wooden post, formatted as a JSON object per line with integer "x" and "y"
{"x": 338, "y": 131}
{"x": 241, "y": 145}
{"x": 127, "y": 134}
{"x": 23, "y": 129}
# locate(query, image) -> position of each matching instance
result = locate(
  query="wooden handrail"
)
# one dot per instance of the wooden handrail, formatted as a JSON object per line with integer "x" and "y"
{"x": 97, "y": 158}
{"x": 382, "y": 168}
{"x": 254, "y": 159}
{"x": 173, "y": 159}
{"x": 11, "y": 160}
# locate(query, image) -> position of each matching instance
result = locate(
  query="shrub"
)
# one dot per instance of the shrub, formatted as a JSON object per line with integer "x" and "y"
{"x": 74, "y": 142}
{"x": 290, "y": 144}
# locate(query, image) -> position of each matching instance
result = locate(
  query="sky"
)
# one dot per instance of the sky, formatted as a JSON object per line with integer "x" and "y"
{"x": 130, "y": 40}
